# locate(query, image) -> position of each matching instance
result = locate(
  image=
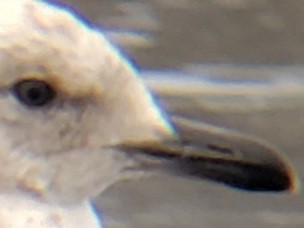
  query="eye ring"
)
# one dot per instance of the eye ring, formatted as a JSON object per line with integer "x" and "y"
{"x": 33, "y": 92}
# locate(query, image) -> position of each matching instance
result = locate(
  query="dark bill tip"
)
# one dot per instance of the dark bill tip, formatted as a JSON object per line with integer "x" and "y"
{"x": 257, "y": 177}
{"x": 235, "y": 159}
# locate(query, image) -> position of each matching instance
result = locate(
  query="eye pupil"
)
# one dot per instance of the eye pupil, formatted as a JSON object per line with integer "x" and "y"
{"x": 33, "y": 92}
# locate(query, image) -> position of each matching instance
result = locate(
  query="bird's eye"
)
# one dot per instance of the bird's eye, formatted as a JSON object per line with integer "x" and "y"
{"x": 32, "y": 92}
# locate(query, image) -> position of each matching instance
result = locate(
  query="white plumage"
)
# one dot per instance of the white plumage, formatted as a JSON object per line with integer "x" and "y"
{"x": 53, "y": 159}
{"x": 75, "y": 118}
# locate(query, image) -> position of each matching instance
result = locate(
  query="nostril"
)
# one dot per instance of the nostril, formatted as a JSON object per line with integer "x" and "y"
{"x": 220, "y": 149}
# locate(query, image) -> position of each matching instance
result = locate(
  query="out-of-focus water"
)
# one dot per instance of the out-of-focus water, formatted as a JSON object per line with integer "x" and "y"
{"x": 203, "y": 31}
{"x": 188, "y": 35}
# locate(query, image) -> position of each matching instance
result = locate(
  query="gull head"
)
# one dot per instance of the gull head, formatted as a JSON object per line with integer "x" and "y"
{"x": 75, "y": 117}
{"x": 64, "y": 88}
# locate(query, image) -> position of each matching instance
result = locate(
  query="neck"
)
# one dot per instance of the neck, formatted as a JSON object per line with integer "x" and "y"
{"x": 21, "y": 211}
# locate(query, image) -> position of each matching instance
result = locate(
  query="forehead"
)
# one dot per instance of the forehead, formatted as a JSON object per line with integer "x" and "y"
{"x": 44, "y": 42}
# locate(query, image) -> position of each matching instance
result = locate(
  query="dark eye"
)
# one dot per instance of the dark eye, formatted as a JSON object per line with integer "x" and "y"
{"x": 33, "y": 92}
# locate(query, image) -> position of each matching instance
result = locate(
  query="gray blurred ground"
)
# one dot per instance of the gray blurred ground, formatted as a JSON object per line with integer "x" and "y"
{"x": 191, "y": 32}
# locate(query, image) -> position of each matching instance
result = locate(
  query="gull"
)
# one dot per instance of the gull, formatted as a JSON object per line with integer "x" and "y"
{"x": 75, "y": 118}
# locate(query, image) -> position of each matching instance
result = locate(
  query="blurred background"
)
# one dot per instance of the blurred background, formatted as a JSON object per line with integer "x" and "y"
{"x": 236, "y": 40}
